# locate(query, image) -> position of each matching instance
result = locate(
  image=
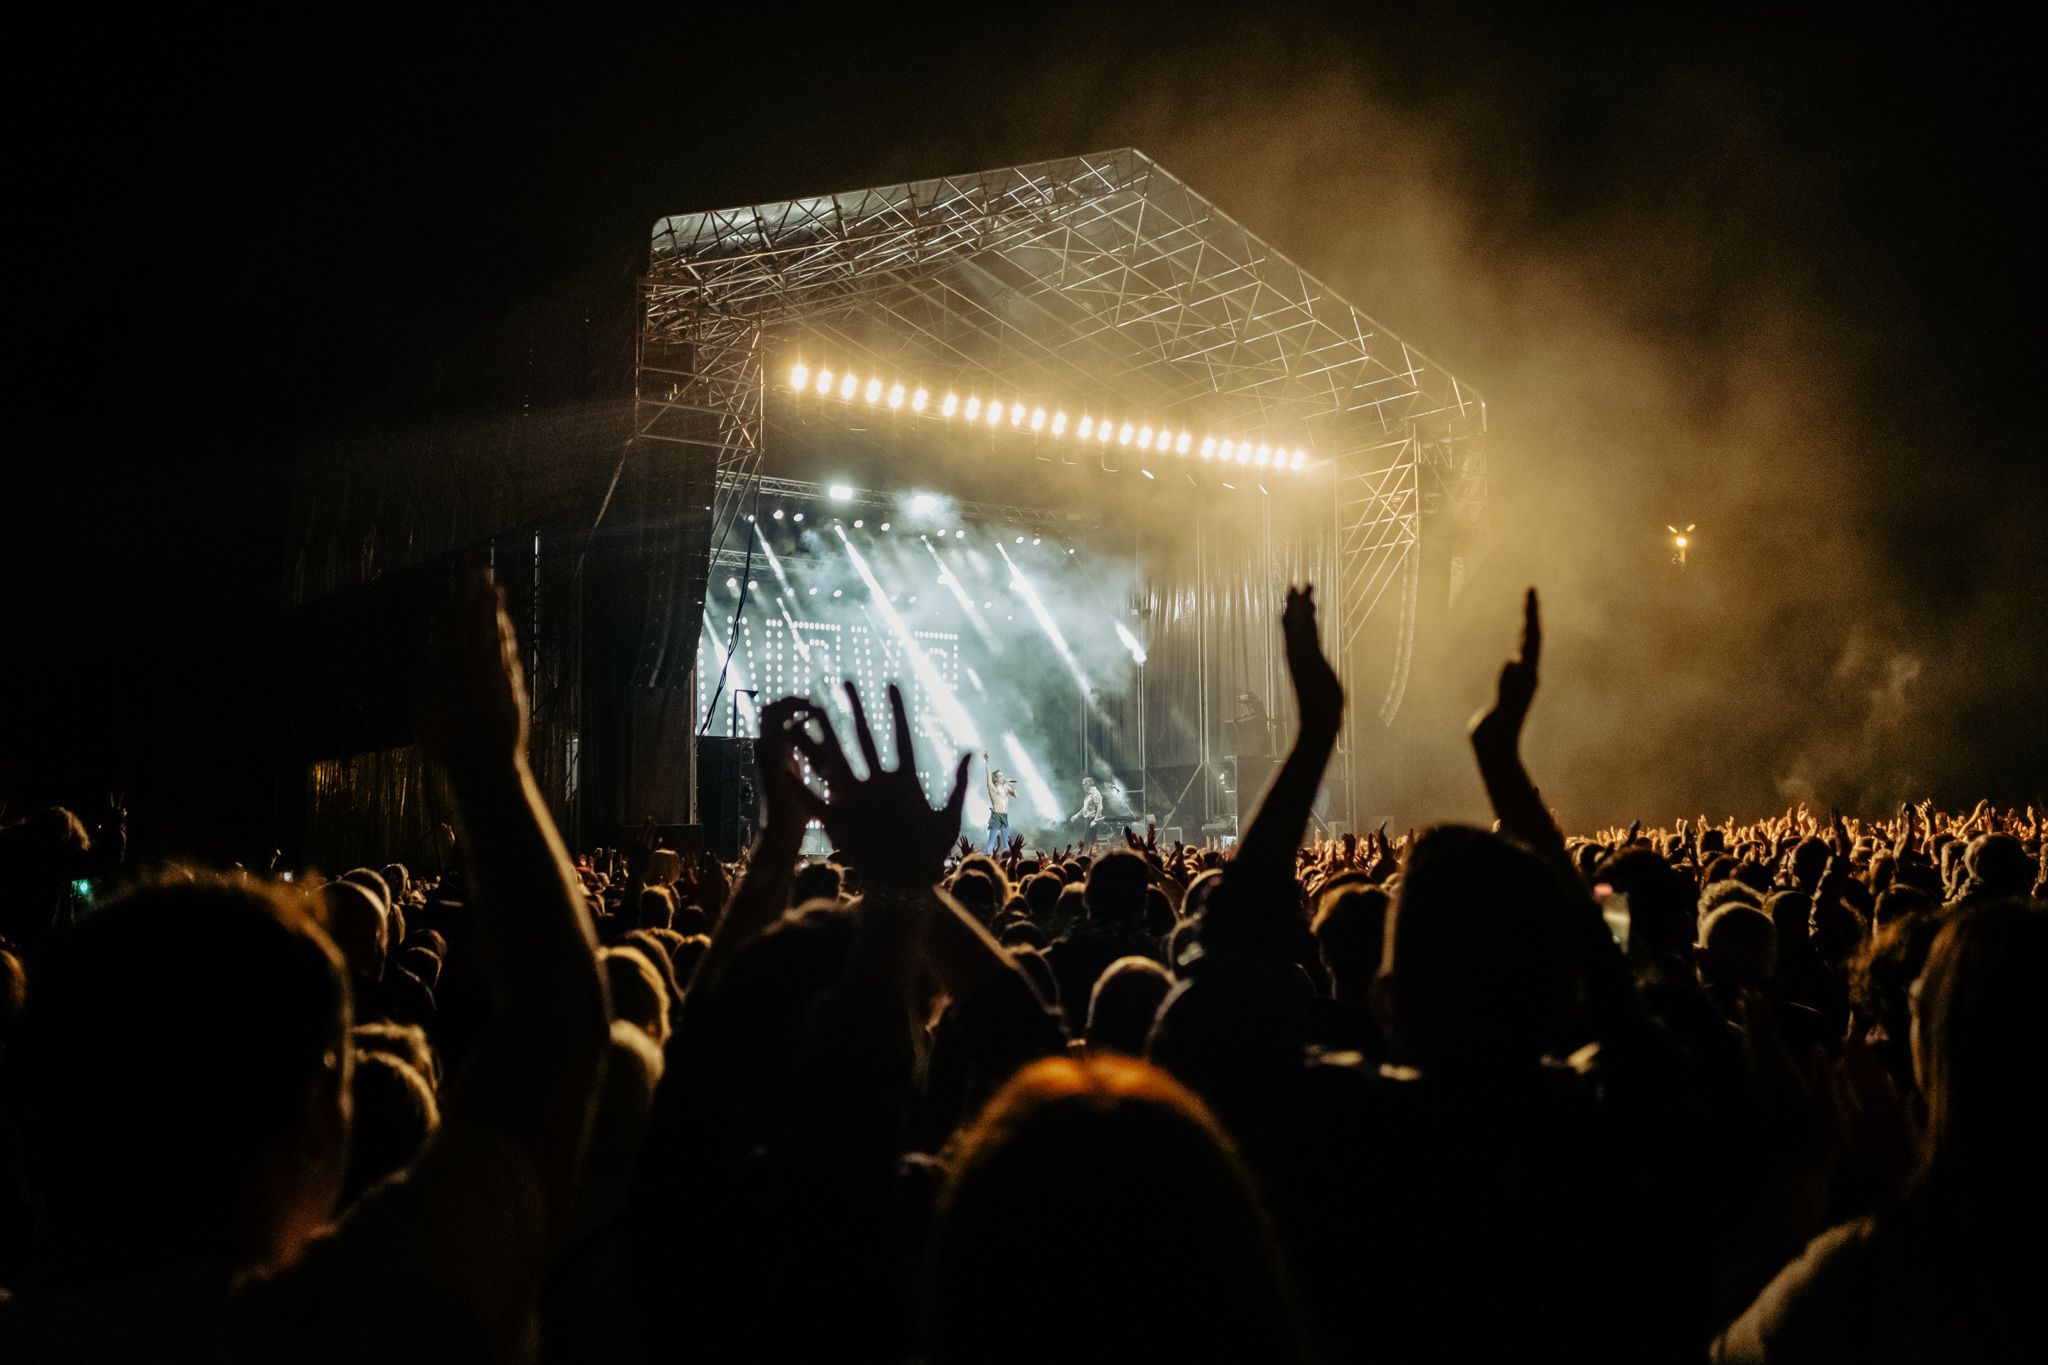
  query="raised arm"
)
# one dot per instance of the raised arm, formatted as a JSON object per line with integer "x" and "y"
{"x": 1276, "y": 831}
{"x": 763, "y": 892}
{"x": 1497, "y": 744}
{"x": 536, "y": 1072}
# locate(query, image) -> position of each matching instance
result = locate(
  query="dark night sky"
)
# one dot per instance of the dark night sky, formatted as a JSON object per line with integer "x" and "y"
{"x": 235, "y": 239}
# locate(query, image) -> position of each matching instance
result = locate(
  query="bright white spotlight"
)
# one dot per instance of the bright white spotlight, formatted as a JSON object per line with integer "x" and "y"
{"x": 847, "y": 385}
{"x": 1299, "y": 459}
{"x": 1036, "y": 539}
{"x": 874, "y": 390}
{"x": 1130, "y": 641}
{"x": 1123, "y": 436}
{"x": 918, "y": 400}
{"x": 1087, "y": 427}
{"x": 858, "y": 523}
{"x": 1102, "y": 431}
{"x": 959, "y": 535}
{"x": 973, "y": 407}
{"x": 1016, "y": 413}
{"x": 1144, "y": 438}
{"x": 1265, "y": 453}
{"x": 1059, "y": 423}
{"x": 1020, "y": 540}
{"x": 837, "y": 593}
{"x": 1038, "y": 419}
{"x": 1180, "y": 446}
{"x": 1147, "y": 473}
{"x": 778, "y": 514}
{"x": 995, "y": 413}
{"x": 797, "y": 517}
{"x": 885, "y": 526}
{"x": 950, "y": 406}
{"x": 1224, "y": 450}
{"x": 896, "y": 395}
{"x": 1208, "y": 446}
{"x": 924, "y": 504}
{"x": 814, "y": 592}
{"x": 799, "y": 375}
{"x": 824, "y": 381}
{"x": 1244, "y": 452}
{"x": 840, "y": 492}
{"x": 732, "y": 583}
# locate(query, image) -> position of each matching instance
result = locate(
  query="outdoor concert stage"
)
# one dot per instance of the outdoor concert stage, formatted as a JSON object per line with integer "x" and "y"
{"x": 1045, "y": 445}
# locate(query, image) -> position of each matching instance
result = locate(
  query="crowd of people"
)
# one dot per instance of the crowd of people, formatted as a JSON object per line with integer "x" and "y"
{"x": 1742, "y": 1092}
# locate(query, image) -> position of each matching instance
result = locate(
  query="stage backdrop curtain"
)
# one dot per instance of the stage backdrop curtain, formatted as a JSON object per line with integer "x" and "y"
{"x": 1212, "y": 594}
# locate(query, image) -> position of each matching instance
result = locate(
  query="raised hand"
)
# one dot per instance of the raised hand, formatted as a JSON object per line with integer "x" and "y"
{"x": 470, "y": 705}
{"x": 1317, "y": 694}
{"x": 788, "y": 804}
{"x": 883, "y": 824}
{"x": 1499, "y": 729}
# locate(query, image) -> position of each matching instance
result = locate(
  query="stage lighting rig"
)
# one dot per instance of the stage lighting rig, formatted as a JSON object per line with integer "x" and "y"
{"x": 1043, "y": 421}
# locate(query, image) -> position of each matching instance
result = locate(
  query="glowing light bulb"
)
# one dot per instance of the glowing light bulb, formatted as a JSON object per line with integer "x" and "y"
{"x": 1144, "y": 438}
{"x": 918, "y": 400}
{"x": 824, "y": 381}
{"x": 847, "y": 385}
{"x": 874, "y": 390}
{"x": 1265, "y": 453}
{"x": 896, "y": 396}
{"x": 1102, "y": 431}
{"x": 1224, "y": 452}
{"x": 799, "y": 375}
{"x": 973, "y": 408}
{"x": 1123, "y": 435}
{"x": 995, "y": 413}
{"x": 1300, "y": 458}
{"x": 1208, "y": 446}
{"x": 1180, "y": 446}
{"x": 1038, "y": 419}
{"x": 951, "y": 405}
{"x": 1087, "y": 427}
{"x": 1244, "y": 452}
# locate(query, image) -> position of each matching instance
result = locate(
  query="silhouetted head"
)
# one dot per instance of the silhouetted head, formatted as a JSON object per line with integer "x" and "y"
{"x": 1124, "y": 1003}
{"x": 638, "y": 993}
{"x": 142, "y": 1149}
{"x": 1351, "y": 934}
{"x": 1116, "y": 887}
{"x": 395, "y": 1112}
{"x": 1108, "y": 1174}
{"x": 657, "y": 908}
{"x": 816, "y": 882}
{"x": 1478, "y": 969}
{"x": 1980, "y": 1047}
{"x": 976, "y": 893}
{"x": 1999, "y": 866}
{"x": 407, "y": 1042}
{"x": 1809, "y": 860}
{"x": 1738, "y": 947}
{"x": 1663, "y": 915}
{"x": 354, "y": 918}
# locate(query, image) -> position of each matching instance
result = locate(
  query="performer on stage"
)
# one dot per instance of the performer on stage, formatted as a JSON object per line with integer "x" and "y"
{"x": 1090, "y": 814}
{"x": 1000, "y": 790}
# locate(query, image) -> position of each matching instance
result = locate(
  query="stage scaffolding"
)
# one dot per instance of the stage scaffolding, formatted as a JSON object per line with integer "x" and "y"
{"x": 1102, "y": 279}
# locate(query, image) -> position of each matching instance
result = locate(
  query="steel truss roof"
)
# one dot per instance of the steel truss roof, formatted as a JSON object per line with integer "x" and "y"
{"x": 1101, "y": 280}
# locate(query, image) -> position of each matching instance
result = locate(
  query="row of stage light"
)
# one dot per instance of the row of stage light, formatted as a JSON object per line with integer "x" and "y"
{"x": 1036, "y": 419}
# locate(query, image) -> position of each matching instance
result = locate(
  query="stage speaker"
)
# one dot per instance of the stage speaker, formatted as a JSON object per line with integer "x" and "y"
{"x": 660, "y": 756}
{"x": 725, "y": 793}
